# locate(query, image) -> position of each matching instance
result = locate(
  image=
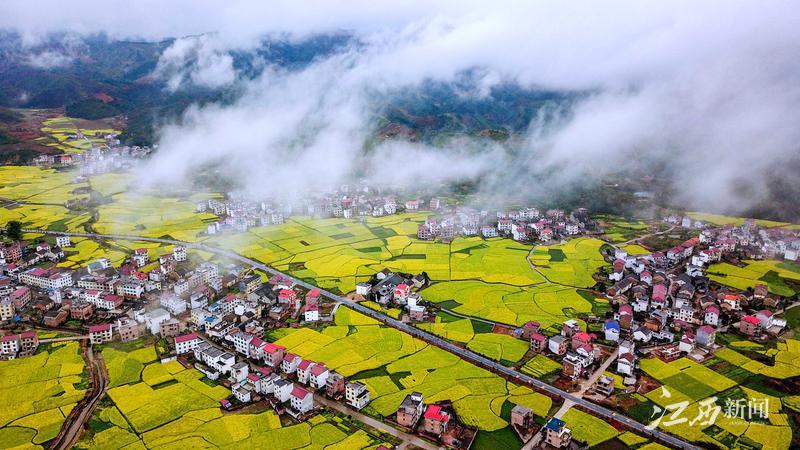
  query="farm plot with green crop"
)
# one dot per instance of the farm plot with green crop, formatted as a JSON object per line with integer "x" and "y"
{"x": 717, "y": 219}
{"x": 587, "y": 428}
{"x": 547, "y": 304}
{"x": 540, "y": 366}
{"x": 581, "y": 259}
{"x": 786, "y": 360}
{"x": 620, "y": 229}
{"x": 772, "y": 273}
{"x": 37, "y": 393}
{"x": 151, "y": 216}
{"x": 209, "y": 428}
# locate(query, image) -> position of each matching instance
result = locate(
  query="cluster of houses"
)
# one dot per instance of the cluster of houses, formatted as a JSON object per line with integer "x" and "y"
{"x": 436, "y": 421}
{"x": 521, "y": 225}
{"x": 389, "y": 289}
{"x": 161, "y": 296}
{"x": 238, "y": 214}
{"x": 663, "y": 301}
{"x": 109, "y": 156}
{"x": 751, "y": 240}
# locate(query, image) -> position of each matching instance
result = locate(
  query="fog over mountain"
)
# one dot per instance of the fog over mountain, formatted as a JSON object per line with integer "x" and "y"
{"x": 702, "y": 97}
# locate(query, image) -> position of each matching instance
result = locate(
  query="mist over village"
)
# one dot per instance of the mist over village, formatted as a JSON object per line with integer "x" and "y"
{"x": 399, "y": 225}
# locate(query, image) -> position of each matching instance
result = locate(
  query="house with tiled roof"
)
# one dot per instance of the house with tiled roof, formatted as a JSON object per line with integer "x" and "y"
{"x": 301, "y": 400}
{"x": 435, "y": 420}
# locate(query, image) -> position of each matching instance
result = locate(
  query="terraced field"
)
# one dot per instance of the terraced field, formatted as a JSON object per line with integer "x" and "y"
{"x": 37, "y": 393}
{"x": 60, "y": 133}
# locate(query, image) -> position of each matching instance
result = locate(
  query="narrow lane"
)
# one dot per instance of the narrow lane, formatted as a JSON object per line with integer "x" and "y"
{"x": 377, "y": 424}
{"x": 82, "y": 412}
{"x": 422, "y": 335}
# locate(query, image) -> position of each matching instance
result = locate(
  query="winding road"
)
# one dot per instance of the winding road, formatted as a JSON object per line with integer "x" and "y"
{"x": 422, "y": 335}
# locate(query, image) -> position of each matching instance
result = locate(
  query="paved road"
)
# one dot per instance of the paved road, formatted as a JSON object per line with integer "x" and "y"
{"x": 82, "y": 412}
{"x": 377, "y": 424}
{"x": 429, "y": 338}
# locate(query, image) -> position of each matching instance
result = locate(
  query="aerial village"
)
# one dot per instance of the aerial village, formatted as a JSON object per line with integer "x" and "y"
{"x": 217, "y": 317}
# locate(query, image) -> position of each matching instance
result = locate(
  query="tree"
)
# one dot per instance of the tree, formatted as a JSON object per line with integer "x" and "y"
{"x": 14, "y": 230}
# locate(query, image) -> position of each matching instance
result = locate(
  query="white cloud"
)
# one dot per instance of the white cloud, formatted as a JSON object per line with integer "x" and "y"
{"x": 196, "y": 60}
{"x": 709, "y": 87}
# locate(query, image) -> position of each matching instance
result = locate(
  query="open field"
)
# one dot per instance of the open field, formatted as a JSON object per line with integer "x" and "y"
{"x": 209, "y": 428}
{"x": 587, "y": 428}
{"x": 546, "y": 303}
{"x": 786, "y": 360}
{"x": 572, "y": 263}
{"x": 620, "y": 229}
{"x": 769, "y": 272}
{"x": 634, "y": 249}
{"x": 685, "y": 380}
{"x": 392, "y": 364}
{"x": 540, "y": 366}
{"x": 151, "y": 216}
{"x": 717, "y": 219}
{"x": 37, "y": 393}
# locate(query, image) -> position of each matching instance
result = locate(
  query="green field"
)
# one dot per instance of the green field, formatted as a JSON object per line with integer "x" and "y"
{"x": 717, "y": 219}
{"x": 685, "y": 380}
{"x": 620, "y": 229}
{"x": 579, "y": 260}
{"x": 769, "y": 272}
{"x": 587, "y": 428}
{"x": 37, "y": 393}
{"x": 546, "y": 303}
{"x": 540, "y": 366}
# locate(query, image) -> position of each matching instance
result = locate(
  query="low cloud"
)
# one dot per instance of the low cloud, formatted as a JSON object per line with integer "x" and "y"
{"x": 707, "y": 90}
{"x": 196, "y": 61}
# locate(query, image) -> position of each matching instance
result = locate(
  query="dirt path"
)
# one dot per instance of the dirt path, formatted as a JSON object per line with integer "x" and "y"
{"x": 82, "y": 412}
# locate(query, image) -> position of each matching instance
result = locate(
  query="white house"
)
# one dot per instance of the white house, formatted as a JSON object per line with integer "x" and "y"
{"x": 290, "y": 363}
{"x": 154, "y": 319}
{"x": 356, "y": 394}
{"x": 611, "y": 330}
{"x": 711, "y": 315}
{"x": 304, "y": 370}
{"x": 302, "y": 401}
{"x": 283, "y": 389}
{"x": 626, "y": 363}
{"x": 186, "y": 343}
{"x": 311, "y": 313}
{"x": 363, "y": 288}
{"x": 239, "y": 372}
{"x": 100, "y": 333}
{"x": 318, "y": 376}
{"x": 63, "y": 241}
